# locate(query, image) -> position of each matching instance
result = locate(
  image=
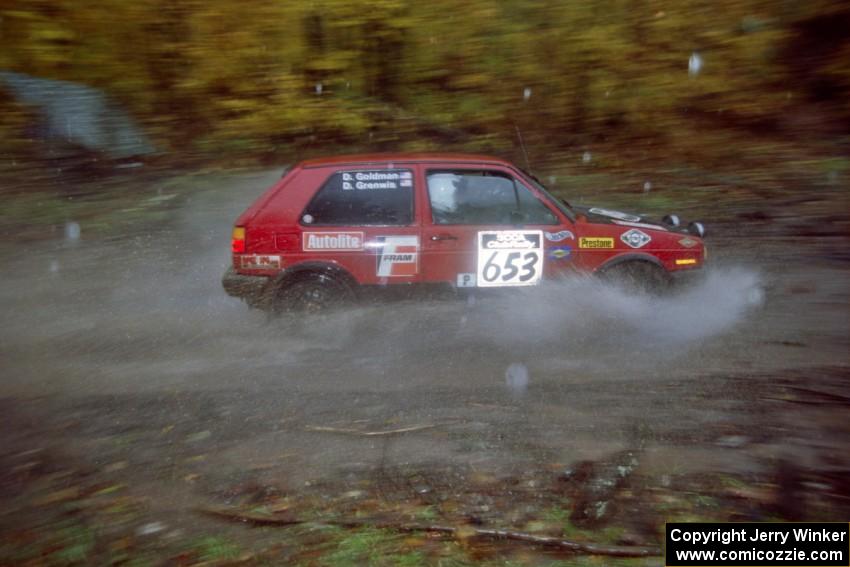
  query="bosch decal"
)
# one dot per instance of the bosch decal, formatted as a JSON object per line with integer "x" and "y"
{"x": 332, "y": 241}
{"x": 260, "y": 262}
{"x": 595, "y": 242}
{"x": 398, "y": 256}
{"x": 560, "y": 252}
{"x": 559, "y": 236}
{"x": 635, "y": 238}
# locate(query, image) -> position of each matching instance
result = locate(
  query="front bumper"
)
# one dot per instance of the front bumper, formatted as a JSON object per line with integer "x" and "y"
{"x": 251, "y": 289}
{"x": 686, "y": 278}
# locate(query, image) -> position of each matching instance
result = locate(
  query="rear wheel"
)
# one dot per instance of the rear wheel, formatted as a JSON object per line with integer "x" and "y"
{"x": 638, "y": 277}
{"x": 311, "y": 293}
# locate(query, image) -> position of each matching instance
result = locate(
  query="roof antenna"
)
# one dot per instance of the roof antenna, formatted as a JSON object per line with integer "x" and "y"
{"x": 522, "y": 145}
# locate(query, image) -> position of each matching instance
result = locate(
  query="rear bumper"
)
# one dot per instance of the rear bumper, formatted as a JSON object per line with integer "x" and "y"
{"x": 251, "y": 289}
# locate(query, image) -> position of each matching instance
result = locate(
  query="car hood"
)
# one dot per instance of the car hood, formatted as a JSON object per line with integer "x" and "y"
{"x": 599, "y": 215}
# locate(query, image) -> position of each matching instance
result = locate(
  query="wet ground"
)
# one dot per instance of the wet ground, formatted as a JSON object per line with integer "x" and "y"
{"x": 124, "y": 360}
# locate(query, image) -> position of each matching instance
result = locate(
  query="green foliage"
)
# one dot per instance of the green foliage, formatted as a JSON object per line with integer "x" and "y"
{"x": 261, "y": 76}
{"x": 217, "y": 549}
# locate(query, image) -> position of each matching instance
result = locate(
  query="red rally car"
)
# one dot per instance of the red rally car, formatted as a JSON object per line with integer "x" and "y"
{"x": 332, "y": 227}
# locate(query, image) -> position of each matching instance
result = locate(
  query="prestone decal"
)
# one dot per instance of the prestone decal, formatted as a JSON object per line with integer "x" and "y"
{"x": 398, "y": 256}
{"x": 595, "y": 242}
{"x": 635, "y": 238}
{"x": 332, "y": 241}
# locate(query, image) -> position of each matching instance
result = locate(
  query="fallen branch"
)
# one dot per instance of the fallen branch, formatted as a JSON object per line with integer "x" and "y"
{"x": 369, "y": 433}
{"x": 491, "y": 534}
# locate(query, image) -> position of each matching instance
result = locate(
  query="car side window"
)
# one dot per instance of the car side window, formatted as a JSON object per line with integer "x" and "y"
{"x": 483, "y": 197}
{"x": 363, "y": 197}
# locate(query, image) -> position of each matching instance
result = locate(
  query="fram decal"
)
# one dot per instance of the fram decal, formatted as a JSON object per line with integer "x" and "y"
{"x": 595, "y": 242}
{"x": 560, "y": 252}
{"x": 332, "y": 241}
{"x": 260, "y": 262}
{"x": 635, "y": 238}
{"x": 615, "y": 215}
{"x": 559, "y": 236}
{"x": 398, "y": 256}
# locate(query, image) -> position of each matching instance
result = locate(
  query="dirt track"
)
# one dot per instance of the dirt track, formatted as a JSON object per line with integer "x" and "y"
{"x": 126, "y": 351}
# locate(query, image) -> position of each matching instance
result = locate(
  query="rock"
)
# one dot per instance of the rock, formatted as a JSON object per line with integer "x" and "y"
{"x": 78, "y": 115}
{"x": 596, "y": 486}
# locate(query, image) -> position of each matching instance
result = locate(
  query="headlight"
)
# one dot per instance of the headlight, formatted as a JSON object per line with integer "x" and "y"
{"x": 671, "y": 220}
{"x": 697, "y": 228}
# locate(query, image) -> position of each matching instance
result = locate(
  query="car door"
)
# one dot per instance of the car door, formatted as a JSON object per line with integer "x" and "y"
{"x": 484, "y": 227}
{"x": 363, "y": 218}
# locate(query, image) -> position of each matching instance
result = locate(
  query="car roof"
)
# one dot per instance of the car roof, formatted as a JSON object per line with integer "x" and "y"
{"x": 412, "y": 157}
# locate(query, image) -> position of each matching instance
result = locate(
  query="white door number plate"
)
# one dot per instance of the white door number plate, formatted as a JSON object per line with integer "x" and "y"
{"x": 510, "y": 257}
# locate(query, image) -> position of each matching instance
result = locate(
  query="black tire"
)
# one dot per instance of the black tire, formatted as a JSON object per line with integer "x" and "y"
{"x": 638, "y": 277}
{"x": 311, "y": 292}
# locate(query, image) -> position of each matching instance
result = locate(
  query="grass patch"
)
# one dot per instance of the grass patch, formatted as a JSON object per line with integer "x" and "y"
{"x": 217, "y": 549}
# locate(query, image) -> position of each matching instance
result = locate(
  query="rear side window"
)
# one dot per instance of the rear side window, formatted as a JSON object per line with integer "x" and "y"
{"x": 363, "y": 197}
{"x": 483, "y": 197}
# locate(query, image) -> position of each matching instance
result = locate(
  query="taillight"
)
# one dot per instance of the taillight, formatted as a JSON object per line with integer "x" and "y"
{"x": 237, "y": 241}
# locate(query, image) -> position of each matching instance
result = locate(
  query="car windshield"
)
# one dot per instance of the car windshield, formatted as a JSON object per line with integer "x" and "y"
{"x": 561, "y": 204}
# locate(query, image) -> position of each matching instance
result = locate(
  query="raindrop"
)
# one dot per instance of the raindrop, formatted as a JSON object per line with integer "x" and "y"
{"x": 319, "y": 88}
{"x": 755, "y": 296}
{"x": 150, "y": 529}
{"x": 694, "y": 64}
{"x": 647, "y": 187}
{"x": 516, "y": 378}
{"x": 54, "y": 266}
{"x": 586, "y": 157}
{"x": 526, "y": 93}
{"x": 72, "y": 231}
{"x": 552, "y": 180}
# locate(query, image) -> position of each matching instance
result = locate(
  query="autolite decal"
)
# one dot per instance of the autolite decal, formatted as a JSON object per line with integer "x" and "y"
{"x": 595, "y": 242}
{"x": 332, "y": 241}
{"x": 398, "y": 256}
{"x": 260, "y": 262}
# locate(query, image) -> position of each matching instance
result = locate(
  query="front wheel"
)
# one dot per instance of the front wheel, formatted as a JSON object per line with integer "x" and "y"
{"x": 311, "y": 293}
{"x": 638, "y": 277}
